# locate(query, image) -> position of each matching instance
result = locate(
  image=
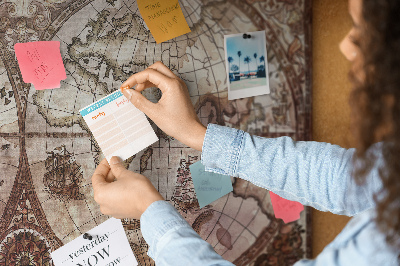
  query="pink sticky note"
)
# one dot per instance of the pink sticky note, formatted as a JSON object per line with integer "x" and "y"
{"x": 287, "y": 210}
{"x": 41, "y": 64}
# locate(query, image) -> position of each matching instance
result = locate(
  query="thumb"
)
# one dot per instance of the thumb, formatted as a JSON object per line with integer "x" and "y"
{"x": 100, "y": 174}
{"x": 117, "y": 167}
{"x": 139, "y": 101}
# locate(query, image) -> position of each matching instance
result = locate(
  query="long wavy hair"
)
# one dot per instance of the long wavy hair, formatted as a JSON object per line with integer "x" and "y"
{"x": 375, "y": 101}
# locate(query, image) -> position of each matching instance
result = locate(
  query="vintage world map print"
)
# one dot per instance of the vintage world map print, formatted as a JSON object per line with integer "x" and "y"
{"x": 47, "y": 153}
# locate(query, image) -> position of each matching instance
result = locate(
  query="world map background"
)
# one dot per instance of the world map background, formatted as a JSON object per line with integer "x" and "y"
{"x": 47, "y": 153}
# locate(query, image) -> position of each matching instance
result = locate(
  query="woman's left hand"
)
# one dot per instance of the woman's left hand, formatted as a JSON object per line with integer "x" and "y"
{"x": 122, "y": 193}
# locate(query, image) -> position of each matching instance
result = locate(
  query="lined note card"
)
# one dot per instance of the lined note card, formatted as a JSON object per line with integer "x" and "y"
{"x": 41, "y": 64}
{"x": 118, "y": 126}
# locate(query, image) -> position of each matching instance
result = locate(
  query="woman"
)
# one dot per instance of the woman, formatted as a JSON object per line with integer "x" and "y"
{"x": 316, "y": 174}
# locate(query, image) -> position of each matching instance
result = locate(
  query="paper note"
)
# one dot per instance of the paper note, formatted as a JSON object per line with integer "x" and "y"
{"x": 164, "y": 18}
{"x": 108, "y": 246}
{"x": 209, "y": 186}
{"x": 284, "y": 209}
{"x": 41, "y": 64}
{"x": 118, "y": 126}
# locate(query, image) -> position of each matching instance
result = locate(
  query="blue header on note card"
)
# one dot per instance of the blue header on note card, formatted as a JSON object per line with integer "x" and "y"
{"x": 100, "y": 103}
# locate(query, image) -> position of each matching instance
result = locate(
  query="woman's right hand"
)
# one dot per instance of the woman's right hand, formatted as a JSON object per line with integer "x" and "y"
{"x": 174, "y": 113}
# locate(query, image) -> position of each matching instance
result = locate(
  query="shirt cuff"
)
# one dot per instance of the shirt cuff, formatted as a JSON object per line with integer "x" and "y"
{"x": 221, "y": 151}
{"x": 158, "y": 219}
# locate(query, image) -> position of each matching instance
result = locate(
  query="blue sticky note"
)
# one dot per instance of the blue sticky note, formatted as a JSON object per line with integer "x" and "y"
{"x": 209, "y": 186}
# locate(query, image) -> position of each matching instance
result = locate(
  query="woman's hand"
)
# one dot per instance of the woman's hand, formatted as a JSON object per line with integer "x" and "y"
{"x": 122, "y": 193}
{"x": 174, "y": 112}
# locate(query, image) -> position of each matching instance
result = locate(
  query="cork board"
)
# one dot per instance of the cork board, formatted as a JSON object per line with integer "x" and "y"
{"x": 331, "y": 89}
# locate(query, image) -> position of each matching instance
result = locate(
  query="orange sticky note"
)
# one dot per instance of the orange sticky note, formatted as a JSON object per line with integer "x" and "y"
{"x": 284, "y": 209}
{"x": 164, "y": 18}
{"x": 41, "y": 64}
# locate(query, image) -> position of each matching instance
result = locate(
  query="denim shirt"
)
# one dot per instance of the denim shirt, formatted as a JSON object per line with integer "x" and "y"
{"x": 314, "y": 174}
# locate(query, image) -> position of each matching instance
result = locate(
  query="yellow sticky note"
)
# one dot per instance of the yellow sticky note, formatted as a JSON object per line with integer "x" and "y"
{"x": 164, "y": 18}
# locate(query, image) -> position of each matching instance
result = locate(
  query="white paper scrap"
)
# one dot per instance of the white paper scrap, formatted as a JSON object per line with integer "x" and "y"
{"x": 108, "y": 247}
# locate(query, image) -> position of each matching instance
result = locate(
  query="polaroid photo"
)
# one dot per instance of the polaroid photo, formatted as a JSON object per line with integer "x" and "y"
{"x": 246, "y": 64}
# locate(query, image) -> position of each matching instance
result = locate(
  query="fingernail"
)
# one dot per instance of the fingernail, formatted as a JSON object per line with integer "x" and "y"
{"x": 128, "y": 94}
{"x": 115, "y": 160}
{"x": 124, "y": 88}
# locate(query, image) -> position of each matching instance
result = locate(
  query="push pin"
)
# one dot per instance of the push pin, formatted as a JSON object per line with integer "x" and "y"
{"x": 246, "y": 36}
{"x": 87, "y": 236}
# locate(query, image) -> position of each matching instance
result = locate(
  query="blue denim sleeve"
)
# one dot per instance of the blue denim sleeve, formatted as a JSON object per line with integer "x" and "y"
{"x": 312, "y": 173}
{"x": 172, "y": 240}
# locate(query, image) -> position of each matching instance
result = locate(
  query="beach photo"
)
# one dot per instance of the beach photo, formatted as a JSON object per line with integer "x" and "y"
{"x": 246, "y": 64}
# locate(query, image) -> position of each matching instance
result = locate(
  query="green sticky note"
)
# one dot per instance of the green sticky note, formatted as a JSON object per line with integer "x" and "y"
{"x": 209, "y": 186}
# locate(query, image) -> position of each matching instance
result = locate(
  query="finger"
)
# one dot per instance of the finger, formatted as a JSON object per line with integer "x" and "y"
{"x": 117, "y": 167}
{"x": 100, "y": 174}
{"x": 159, "y": 80}
{"x": 160, "y": 67}
{"x": 110, "y": 177}
{"x": 143, "y": 86}
{"x": 140, "y": 102}
{"x": 139, "y": 86}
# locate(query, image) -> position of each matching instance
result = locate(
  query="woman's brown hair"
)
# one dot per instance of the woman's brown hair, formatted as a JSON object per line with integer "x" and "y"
{"x": 376, "y": 105}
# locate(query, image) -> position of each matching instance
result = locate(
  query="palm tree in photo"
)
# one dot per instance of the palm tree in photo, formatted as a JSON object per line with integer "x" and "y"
{"x": 255, "y": 60}
{"x": 261, "y": 68}
{"x": 239, "y": 54}
{"x": 230, "y": 60}
{"x": 262, "y": 59}
{"x": 247, "y": 60}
